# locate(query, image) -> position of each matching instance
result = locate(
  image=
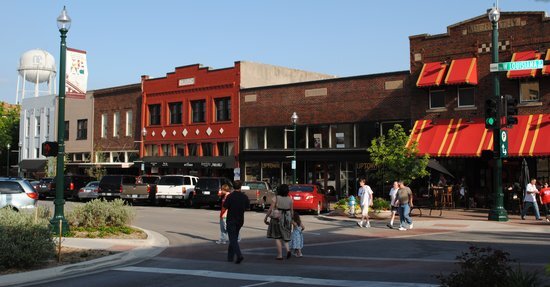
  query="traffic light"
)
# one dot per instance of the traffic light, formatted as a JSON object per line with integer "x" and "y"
{"x": 511, "y": 110}
{"x": 49, "y": 149}
{"x": 491, "y": 113}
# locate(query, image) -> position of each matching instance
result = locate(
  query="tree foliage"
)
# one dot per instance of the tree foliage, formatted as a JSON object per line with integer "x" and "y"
{"x": 9, "y": 125}
{"x": 394, "y": 159}
{"x": 96, "y": 170}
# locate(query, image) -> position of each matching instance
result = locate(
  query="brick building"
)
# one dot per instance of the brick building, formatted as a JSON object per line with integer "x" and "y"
{"x": 337, "y": 119}
{"x": 453, "y": 81}
{"x": 191, "y": 117}
{"x": 116, "y": 133}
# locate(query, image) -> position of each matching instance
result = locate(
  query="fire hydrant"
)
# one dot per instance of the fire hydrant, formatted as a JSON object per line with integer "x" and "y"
{"x": 351, "y": 203}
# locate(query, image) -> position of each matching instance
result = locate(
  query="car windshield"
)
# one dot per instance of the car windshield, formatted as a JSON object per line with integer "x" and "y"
{"x": 93, "y": 184}
{"x": 171, "y": 180}
{"x": 300, "y": 188}
{"x": 255, "y": 185}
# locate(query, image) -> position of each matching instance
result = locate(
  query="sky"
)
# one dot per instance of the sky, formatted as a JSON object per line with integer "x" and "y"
{"x": 127, "y": 39}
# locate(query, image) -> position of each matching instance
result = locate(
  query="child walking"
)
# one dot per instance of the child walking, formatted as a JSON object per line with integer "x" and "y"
{"x": 297, "y": 238}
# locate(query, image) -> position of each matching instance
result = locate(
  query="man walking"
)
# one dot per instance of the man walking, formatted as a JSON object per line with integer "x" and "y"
{"x": 405, "y": 199}
{"x": 365, "y": 200}
{"x": 530, "y": 199}
{"x": 236, "y": 204}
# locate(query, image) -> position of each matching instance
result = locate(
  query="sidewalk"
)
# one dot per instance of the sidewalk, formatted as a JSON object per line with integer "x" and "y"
{"x": 131, "y": 251}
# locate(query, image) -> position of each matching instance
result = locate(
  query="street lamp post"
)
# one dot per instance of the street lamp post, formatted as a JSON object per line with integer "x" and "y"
{"x": 497, "y": 213}
{"x": 8, "y": 162}
{"x": 294, "y": 119}
{"x": 19, "y": 160}
{"x": 143, "y": 135}
{"x": 63, "y": 23}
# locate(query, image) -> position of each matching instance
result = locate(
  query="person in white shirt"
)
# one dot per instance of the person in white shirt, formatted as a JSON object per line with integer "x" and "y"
{"x": 530, "y": 200}
{"x": 365, "y": 200}
{"x": 393, "y": 202}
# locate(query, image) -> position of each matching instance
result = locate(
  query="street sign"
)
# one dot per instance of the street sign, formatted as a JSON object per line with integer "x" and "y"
{"x": 515, "y": 66}
{"x": 503, "y": 143}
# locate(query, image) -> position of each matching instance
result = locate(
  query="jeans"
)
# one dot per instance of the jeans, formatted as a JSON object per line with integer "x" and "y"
{"x": 404, "y": 211}
{"x": 527, "y": 205}
{"x": 223, "y": 230}
{"x": 233, "y": 229}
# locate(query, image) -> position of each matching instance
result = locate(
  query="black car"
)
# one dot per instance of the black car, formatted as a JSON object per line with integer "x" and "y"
{"x": 44, "y": 187}
{"x": 110, "y": 186}
{"x": 72, "y": 184}
{"x": 208, "y": 190}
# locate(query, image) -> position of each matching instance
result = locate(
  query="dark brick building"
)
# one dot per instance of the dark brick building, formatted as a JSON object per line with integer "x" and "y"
{"x": 116, "y": 133}
{"x": 337, "y": 119}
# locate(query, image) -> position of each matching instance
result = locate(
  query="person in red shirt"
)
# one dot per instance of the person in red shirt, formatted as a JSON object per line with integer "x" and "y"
{"x": 545, "y": 199}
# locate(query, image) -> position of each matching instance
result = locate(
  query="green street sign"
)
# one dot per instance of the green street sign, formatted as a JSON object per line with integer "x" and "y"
{"x": 515, "y": 66}
{"x": 503, "y": 144}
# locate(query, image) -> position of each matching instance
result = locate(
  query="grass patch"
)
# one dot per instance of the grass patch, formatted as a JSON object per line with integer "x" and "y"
{"x": 125, "y": 232}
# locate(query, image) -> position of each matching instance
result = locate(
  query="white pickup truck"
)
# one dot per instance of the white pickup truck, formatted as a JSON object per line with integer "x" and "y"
{"x": 175, "y": 188}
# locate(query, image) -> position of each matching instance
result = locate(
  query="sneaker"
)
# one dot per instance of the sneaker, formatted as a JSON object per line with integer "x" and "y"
{"x": 389, "y": 226}
{"x": 523, "y": 218}
{"x": 411, "y": 226}
{"x": 360, "y": 224}
{"x": 367, "y": 225}
{"x": 402, "y": 228}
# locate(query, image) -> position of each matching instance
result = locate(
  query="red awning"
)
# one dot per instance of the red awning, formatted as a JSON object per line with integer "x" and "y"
{"x": 462, "y": 71}
{"x": 523, "y": 56}
{"x": 546, "y": 69}
{"x": 431, "y": 74}
{"x": 463, "y": 138}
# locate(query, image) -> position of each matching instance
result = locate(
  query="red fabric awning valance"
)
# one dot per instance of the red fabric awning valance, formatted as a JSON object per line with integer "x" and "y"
{"x": 463, "y": 138}
{"x": 523, "y": 56}
{"x": 546, "y": 69}
{"x": 462, "y": 71}
{"x": 431, "y": 74}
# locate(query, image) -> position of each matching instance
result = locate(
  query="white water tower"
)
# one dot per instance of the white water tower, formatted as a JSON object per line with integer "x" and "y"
{"x": 37, "y": 67}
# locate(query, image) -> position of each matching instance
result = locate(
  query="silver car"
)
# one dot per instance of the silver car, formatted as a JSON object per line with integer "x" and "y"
{"x": 18, "y": 194}
{"x": 89, "y": 191}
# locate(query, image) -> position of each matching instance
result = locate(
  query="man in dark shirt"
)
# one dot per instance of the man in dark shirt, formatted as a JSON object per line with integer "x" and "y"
{"x": 236, "y": 203}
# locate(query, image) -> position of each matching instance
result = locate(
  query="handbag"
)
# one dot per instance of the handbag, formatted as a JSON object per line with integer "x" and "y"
{"x": 275, "y": 213}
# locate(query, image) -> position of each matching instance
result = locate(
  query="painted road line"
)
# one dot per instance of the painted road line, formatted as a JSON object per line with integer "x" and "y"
{"x": 258, "y": 284}
{"x": 270, "y": 278}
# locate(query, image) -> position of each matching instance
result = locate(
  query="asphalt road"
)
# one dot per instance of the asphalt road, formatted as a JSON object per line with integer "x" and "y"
{"x": 336, "y": 253}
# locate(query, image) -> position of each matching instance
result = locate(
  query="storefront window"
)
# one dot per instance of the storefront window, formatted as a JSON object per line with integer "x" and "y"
{"x": 275, "y": 137}
{"x": 342, "y": 136}
{"x": 206, "y": 149}
{"x": 252, "y": 171}
{"x": 226, "y": 149}
{"x": 529, "y": 91}
{"x": 271, "y": 172}
{"x": 543, "y": 170}
{"x": 254, "y": 138}
{"x": 466, "y": 96}
{"x": 166, "y": 150}
{"x": 365, "y": 132}
{"x": 193, "y": 149}
{"x": 180, "y": 150}
{"x": 437, "y": 99}
{"x": 318, "y": 136}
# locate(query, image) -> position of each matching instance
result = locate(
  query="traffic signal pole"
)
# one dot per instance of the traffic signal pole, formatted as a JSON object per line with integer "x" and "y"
{"x": 497, "y": 213}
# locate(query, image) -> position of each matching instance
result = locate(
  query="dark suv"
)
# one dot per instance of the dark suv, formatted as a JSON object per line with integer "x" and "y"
{"x": 110, "y": 186}
{"x": 207, "y": 191}
{"x": 72, "y": 184}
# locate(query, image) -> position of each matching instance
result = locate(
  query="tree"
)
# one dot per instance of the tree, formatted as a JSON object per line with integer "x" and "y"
{"x": 394, "y": 159}
{"x": 9, "y": 130}
{"x": 96, "y": 170}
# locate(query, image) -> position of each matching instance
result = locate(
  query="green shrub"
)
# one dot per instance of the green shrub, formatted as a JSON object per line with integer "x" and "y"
{"x": 380, "y": 204}
{"x": 344, "y": 204}
{"x": 24, "y": 241}
{"x": 101, "y": 213}
{"x": 487, "y": 267}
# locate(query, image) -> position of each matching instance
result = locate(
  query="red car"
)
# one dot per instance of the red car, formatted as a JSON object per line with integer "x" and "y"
{"x": 309, "y": 197}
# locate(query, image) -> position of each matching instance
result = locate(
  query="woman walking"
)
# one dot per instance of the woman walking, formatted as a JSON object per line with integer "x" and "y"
{"x": 280, "y": 211}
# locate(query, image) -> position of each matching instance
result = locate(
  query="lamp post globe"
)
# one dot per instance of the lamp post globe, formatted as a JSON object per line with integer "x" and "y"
{"x": 494, "y": 15}
{"x": 294, "y": 119}
{"x": 58, "y": 222}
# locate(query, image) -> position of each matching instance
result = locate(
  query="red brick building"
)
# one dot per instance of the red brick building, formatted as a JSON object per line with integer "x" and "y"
{"x": 116, "y": 134}
{"x": 191, "y": 117}
{"x": 453, "y": 81}
{"x": 337, "y": 119}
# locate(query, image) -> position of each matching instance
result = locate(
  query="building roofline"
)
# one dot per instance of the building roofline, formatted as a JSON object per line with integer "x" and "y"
{"x": 104, "y": 91}
{"x": 329, "y": 80}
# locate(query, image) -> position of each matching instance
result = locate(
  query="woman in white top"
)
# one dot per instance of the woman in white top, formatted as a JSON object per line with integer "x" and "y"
{"x": 393, "y": 202}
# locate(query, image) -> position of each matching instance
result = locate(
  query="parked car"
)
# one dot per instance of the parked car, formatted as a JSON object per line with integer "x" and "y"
{"x": 143, "y": 189}
{"x": 72, "y": 183}
{"x": 176, "y": 188}
{"x": 18, "y": 194}
{"x": 208, "y": 191}
{"x": 110, "y": 186}
{"x": 259, "y": 194}
{"x": 45, "y": 187}
{"x": 89, "y": 191}
{"x": 308, "y": 197}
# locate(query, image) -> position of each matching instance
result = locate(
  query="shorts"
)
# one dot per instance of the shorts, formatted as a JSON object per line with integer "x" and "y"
{"x": 364, "y": 210}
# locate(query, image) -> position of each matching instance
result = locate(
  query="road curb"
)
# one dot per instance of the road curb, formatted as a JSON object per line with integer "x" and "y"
{"x": 150, "y": 247}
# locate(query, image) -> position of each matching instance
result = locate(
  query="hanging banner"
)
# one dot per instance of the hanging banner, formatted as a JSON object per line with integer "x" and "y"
{"x": 76, "y": 74}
